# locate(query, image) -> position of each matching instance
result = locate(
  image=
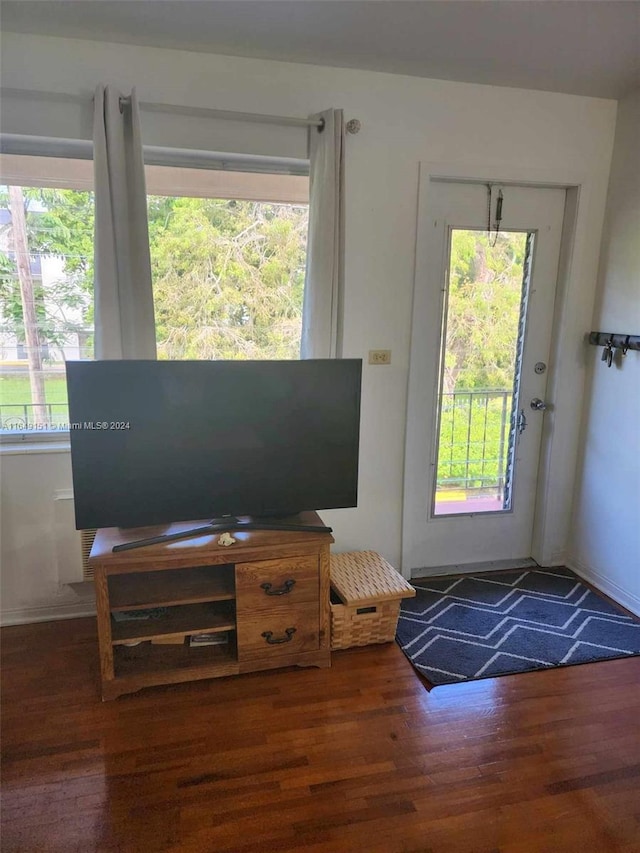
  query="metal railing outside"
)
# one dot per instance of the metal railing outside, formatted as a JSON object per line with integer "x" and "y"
{"x": 26, "y": 417}
{"x": 474, "y": 428}
{"x": 472, "y": 451}
{"x": 17, "y": 413}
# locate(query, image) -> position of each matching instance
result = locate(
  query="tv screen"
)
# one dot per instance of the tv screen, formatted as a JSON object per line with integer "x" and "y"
{"x": 154, "y": 442}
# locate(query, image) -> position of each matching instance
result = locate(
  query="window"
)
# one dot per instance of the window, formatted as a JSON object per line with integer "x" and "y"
{"x": 228, "y": 254}
{"x": 46, "y": 286}
{"x": 481, "y": 358}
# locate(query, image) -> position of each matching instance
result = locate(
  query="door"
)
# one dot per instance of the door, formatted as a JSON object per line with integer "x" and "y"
{"x": 486, "y": 277}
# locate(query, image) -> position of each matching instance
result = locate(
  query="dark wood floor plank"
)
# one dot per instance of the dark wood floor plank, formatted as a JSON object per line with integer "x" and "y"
{"x": 359, "y": 757}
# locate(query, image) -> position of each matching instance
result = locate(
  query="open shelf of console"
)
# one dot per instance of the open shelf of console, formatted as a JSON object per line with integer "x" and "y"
{"x": 179, "y": 620}
{"x": 142, "y": 590}
{"x": 149, "y": 660}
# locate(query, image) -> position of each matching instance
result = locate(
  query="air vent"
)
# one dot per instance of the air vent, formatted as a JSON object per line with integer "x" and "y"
{"x": 72, "y": 547}
{"x": 86, "y": 541}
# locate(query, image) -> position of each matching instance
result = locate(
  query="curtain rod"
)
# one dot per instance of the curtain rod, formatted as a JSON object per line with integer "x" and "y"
{"x": 149, "y": 106}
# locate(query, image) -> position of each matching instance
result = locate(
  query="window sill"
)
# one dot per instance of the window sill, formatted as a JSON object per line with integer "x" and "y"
{"x": 13, "y": 445}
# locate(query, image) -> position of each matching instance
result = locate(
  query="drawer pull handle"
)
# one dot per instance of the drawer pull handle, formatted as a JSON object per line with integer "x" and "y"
{"x": 276, "y": 641}
{"x": 284, "y": 589}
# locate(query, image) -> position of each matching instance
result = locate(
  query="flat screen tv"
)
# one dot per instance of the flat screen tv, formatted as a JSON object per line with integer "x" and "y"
{"x": 153, "y": 442}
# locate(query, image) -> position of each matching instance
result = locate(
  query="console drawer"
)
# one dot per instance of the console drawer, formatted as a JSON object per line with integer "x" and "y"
{"x": 277, "y": 585}
{"x": 278, "y": 633}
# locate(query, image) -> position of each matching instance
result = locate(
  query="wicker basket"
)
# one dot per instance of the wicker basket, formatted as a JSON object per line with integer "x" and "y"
{"x": 365, "y": 593}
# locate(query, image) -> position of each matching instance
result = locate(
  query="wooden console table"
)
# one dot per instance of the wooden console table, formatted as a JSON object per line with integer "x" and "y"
{"x": 267, "y": 595}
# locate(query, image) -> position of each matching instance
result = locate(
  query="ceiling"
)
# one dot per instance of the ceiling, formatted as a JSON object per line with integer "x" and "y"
{"x": 582, "y": 47}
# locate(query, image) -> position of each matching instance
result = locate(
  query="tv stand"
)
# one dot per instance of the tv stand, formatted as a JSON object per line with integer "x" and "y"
{"x": 231, "y": 524}
{"x": 267, "y": 596}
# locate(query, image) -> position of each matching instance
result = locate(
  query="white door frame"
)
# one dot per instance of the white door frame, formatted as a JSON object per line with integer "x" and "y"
{"x": 567, "y": 365}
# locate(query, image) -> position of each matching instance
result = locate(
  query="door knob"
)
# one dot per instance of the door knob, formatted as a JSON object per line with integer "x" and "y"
{"x": 538, "y": 405}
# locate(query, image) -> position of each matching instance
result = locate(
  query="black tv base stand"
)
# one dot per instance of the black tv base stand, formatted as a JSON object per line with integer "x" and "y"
{"x": 230, "y": 524}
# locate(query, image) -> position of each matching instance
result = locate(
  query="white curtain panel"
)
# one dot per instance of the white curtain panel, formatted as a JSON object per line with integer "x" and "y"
{"x": 323, "y": 291}
{"x": 124, "y": 319}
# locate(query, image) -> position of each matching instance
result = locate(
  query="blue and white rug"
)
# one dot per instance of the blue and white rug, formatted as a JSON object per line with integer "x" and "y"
{"x": 479, "y": 626}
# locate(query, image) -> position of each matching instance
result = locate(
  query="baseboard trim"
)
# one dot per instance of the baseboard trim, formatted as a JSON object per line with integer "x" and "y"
{"x": 469, "y": 568}
{"x": 617, "y": 593}
{"x": 51, "y": 613}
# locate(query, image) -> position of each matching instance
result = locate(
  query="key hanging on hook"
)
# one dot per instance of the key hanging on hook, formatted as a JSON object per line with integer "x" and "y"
{"x": 607, "y": 352}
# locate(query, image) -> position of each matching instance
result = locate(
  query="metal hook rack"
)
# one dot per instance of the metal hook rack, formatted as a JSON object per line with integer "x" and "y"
{"x": 612, "y": 341}
{"x": 617, "y": 341}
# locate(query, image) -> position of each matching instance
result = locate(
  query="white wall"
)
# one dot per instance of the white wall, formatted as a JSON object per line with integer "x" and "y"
{"x": 31, "y": 541}
{"x": 606, "y": 531}
{"x": 553, "y": 138}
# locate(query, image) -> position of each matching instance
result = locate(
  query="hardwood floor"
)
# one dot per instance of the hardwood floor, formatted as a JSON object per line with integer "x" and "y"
{"x": 359, "y": 757}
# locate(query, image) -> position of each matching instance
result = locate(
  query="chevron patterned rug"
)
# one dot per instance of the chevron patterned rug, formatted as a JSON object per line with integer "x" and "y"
{"x": 480, "y": 626}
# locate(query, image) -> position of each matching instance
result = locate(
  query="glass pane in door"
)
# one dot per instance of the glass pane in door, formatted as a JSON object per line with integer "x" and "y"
{"x": 483, "y": 334}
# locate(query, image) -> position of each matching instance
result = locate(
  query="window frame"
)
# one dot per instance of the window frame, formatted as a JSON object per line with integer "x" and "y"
{"x": 82, "y": 149}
